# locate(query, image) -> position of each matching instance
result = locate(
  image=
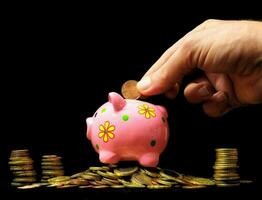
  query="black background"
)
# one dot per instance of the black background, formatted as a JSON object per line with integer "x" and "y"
{"x": 60, "y": 63}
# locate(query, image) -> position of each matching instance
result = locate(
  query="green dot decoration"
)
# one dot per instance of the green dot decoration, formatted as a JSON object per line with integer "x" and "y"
{"x": 125, "y": 117}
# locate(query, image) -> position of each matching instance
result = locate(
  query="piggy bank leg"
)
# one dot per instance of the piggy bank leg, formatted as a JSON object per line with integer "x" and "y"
{"x": 108, "y": 157}
{"x": 149, "y": 159}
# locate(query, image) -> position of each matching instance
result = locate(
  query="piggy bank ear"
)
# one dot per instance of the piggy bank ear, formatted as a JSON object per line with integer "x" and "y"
{"x": 118, "y": 101}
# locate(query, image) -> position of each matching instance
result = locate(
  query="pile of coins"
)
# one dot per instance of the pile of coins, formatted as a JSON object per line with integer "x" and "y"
{"x": 112, "y": 176}
{"x": 21, "y": 166}
{"x": 51, "y": 167}
{"x": 226, "y": 167}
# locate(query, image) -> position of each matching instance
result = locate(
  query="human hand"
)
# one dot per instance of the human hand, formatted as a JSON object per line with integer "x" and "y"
{"x": 230, "y": 55}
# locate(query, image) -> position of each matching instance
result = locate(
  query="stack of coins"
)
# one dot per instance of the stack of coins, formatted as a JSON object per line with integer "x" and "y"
{"x": 226, "y": 167}
{"x": 22, "y": 168}
{"x": 51, "y": 167}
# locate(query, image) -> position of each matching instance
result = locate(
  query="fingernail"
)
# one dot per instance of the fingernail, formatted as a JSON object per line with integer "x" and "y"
{"x": 144, "y": 84}
{"x": 203, "y": 91}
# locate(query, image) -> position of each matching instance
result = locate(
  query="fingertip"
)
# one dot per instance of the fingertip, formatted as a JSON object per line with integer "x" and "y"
{"x": 198, "y": 92}
{"x": 144, "y": 84}
{"x": 154, "y": 84}
{"x": 211, "y": 110}
{"x": 217, "y": 105}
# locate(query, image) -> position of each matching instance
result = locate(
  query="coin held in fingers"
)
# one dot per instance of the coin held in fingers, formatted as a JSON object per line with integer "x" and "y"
{"x": 129, "y": 90}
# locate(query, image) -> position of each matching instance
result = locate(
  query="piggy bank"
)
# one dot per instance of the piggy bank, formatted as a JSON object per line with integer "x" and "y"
{"x": 125, "y": 129}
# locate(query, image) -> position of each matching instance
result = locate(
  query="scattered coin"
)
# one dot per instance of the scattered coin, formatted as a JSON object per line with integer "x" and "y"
{"x": 193, "y": 186}
{"x": 26, "y": 187}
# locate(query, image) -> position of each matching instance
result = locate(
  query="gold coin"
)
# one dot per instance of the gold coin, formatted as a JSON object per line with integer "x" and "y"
{"x": 86, "y": 186}
{"x": 227, "y": 178}
{"x": 226, "y": 167}
{"x": 52, "y": 167}
{"x": 25, "y": 179}
{"x": 96, "y": 182}
{"x": 134, "y": 185}
{"x": 25, "y": 161}
{"x": 24, "y": 173}
{"x": 167, "y": 173}
{"x": 117, "y": 186}
{"x": 100, "y": 186}
{"x": 59, "y": 179}
{"x": 172, "y": 182}
{"x": 200, "y": 181}
{"x": 228, "y": 184}
{"x": 158, "y": 186}
{"x": 246, "y": 181}
{"x": 125, "y": 171}
{"x": 193, "y": 186}
{"x": 51, "y": 163}
{"x": 129, "y": 90}
{"x": 107, "y": 174}
{"x": 124, "y": 182}
{"x": 141, "y": 178}
{"x": 21, "y": 167}
{"x": 90, "y": 177}
{"x": 151, "y": 172}
{"x": 103, "y": 168}
{"x": 173, "y": 175}
{"x": 34, "y": 185}
{"x": 65, "y": 186}
{"x": 53, "y": 172}
{"x": 78, "y": 181}
{"x": 163, "y": 182}
{"x": 50, "y": 156}
{"x": 108, "y": 181}
{"x": 19, "y": 153}
{"x": 226, "y": 149}
{"x": 227, "y": 157}
{"x": 15, "y": 184}
{"x": 77, "y": 175}
{"x": 227, "y": 174}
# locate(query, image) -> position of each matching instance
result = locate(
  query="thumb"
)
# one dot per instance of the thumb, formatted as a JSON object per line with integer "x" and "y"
{"x": 168, "y": 75}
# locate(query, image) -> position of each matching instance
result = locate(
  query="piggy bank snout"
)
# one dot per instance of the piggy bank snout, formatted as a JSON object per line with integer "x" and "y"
{"x": 89, "y": 122}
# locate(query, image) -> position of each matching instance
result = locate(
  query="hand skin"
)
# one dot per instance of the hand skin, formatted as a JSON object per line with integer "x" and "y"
{"x": 230, "y": 55}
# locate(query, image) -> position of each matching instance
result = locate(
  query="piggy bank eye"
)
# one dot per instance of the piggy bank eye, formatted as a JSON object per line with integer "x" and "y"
{"x": 95, "y": 114}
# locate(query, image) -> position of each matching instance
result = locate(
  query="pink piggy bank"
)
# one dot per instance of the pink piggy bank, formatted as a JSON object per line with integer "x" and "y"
{"x": 125, "y": 129}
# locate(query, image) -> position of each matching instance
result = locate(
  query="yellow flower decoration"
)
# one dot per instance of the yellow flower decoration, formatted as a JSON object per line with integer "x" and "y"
{"x": 147, "y": 111}
{"x": 106, "y": 131}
